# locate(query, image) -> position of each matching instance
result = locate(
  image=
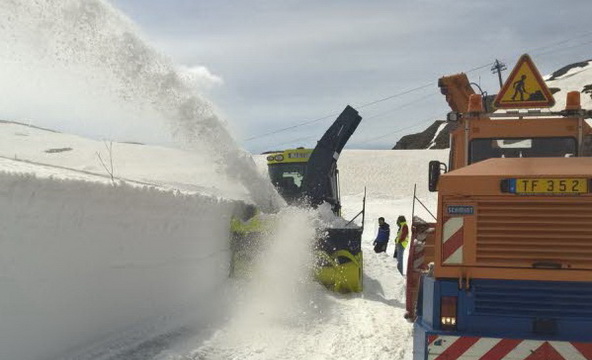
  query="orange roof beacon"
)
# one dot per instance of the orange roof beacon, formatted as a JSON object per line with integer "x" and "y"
{"x": 505, "y": 272}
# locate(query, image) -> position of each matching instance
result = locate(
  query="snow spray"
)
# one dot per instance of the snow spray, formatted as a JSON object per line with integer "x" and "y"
{"x": 279, "y": 301}
{"x": 83, "y": 64}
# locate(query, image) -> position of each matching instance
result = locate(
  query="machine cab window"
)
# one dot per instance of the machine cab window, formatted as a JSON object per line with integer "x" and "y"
{"x": 483, "y": 149}
{"x": 287, "y": 178}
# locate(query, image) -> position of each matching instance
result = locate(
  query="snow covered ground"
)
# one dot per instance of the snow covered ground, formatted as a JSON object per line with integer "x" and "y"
{"x": 576, "y": 78}
{"x": 117, "y": 250}
{"x": 102, "y": 257}
{"x": 369, "y": 325}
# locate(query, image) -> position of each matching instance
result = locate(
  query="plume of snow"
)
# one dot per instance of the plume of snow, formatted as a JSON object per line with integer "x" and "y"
{"x": 84, "y": 64}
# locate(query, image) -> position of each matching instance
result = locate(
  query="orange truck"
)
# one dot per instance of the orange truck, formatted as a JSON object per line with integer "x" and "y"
{"x": 506, "y": 270}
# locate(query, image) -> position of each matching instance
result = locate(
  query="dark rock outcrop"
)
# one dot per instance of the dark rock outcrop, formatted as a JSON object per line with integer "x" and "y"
{"x": 424, "y": 139}
{"x": 587, "y": 90}
{"x": 565, "y": 69}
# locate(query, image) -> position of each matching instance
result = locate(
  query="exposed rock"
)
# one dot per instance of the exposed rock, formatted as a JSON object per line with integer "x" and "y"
{"x": 587, "y": 90}
{"x": 565, "y": 69}
{"x": 424, "y": 139}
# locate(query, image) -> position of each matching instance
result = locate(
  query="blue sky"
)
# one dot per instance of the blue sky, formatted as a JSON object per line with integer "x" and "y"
{"x": 279, "y": 63}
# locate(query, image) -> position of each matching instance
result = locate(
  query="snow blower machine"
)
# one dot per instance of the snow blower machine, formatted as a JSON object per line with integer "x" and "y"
{"x": 309, "y": 178}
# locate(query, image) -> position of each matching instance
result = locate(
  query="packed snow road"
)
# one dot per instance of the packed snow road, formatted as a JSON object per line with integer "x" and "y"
{"x": 283, "y": 314}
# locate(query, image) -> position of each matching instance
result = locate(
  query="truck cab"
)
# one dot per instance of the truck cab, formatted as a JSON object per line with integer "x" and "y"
{"x": 510, "y": 275}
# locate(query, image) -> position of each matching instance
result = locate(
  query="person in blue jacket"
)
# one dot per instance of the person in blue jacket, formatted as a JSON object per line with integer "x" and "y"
{"x": 382, "y": 238}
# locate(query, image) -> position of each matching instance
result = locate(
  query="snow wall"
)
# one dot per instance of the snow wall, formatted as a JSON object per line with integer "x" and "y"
{"x": 81, "y": 260}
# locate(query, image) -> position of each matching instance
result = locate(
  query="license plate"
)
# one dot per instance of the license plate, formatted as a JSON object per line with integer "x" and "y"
{"x": 552, "y": 186}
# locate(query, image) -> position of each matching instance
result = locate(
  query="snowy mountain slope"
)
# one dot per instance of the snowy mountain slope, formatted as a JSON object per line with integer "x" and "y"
{"x": 573, "y": 77}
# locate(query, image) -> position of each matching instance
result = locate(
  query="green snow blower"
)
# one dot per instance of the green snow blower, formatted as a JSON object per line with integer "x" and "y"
{"x": 309, "y": 177}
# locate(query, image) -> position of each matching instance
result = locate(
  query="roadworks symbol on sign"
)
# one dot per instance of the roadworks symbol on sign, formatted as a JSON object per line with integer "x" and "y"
{"x": 524, "y": 88}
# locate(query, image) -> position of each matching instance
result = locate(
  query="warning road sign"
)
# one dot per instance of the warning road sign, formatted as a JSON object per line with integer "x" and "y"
{"x": 524, "y": 88}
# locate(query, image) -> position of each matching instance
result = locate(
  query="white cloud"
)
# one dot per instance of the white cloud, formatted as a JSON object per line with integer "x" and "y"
{"x": 201, "y": 77}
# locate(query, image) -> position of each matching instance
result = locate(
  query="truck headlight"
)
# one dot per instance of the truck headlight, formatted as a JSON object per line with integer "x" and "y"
{"x": 448, "y": 312}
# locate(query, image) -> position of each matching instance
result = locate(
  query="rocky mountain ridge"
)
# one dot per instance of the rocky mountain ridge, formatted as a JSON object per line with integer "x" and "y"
{"x": 576, "y": 76}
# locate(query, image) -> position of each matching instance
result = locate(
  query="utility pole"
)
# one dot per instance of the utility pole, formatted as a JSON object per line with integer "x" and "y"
{"x": 498, "y": 67}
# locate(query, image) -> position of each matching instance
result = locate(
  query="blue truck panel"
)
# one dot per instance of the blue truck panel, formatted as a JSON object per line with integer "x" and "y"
{"x": 536, "y": 310}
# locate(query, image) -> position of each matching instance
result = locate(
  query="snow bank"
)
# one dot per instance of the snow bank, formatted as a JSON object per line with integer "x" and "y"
{"x": 81, "y": 260}
{"x": 149, "y": 164}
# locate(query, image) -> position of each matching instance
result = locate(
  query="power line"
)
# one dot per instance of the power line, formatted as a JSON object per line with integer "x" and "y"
{"x": 365, "y": 118}
{"x": 401, "y": 106}
{"x": 487, "y": 65}
{"x": 479, "y": 67}
{"x": 394, "y": 96}
{"x": 431, "y": 118}
{"x": 371, "y": 103}
{"x": 335, "y": 114}
{"x": 422, "y": 87}
{"x": 565, "y": 48}
{"x": 290, "y": 127}
{"x": 398, "y": 130}
{"x": 560, "y": 42}
{"x": 534, "y": 50}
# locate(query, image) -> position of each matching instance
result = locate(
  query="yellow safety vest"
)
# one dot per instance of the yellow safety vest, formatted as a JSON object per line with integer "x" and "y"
{"x": 403, "y": 242}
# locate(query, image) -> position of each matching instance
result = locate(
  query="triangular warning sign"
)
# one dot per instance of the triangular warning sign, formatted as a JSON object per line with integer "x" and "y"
{"x": 524, "y": 88}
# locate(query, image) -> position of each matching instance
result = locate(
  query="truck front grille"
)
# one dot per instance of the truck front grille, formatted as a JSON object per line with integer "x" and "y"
{"x": 526, "y": 232}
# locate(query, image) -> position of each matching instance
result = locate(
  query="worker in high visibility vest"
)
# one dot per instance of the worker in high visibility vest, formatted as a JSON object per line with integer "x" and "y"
{"x": 401, "y": 241}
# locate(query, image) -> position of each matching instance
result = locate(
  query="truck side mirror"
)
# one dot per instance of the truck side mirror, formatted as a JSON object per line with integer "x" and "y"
{"x": 434, "y": 174}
